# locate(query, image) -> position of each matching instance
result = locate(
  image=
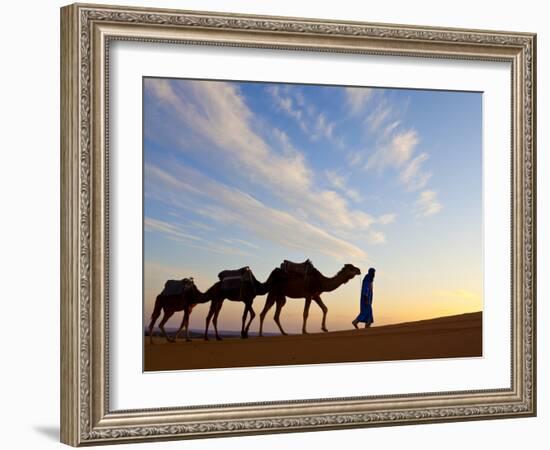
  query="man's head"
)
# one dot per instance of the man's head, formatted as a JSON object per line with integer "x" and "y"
{"x": 370, "y": 273}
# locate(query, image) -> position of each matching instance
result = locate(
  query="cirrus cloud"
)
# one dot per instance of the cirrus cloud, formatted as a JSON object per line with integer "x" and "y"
{"x": 427, "y": 204}
{"x": 217, "y": 113}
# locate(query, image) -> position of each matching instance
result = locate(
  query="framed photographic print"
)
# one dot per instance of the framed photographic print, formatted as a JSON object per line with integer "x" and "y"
{"x": 277, "y": 224}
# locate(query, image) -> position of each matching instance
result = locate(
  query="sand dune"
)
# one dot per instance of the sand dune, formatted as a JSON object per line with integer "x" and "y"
{"x": 445, "y": 337}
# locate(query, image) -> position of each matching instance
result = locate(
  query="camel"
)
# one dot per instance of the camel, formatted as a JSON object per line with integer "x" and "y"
{"x": 310, "y": 287}
{"x": 243, "y": 292}
{"x": 170, "y": 304}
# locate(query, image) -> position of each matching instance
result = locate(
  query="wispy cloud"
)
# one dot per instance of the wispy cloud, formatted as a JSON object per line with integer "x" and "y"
{"x": 427, "y": 204}
{"x": 355, "y": 158}
{"x": 288, "y": 105}
{"x": 240, "y": 242}
{"x": 314, "y": 124}
{"x": 174, "y": 232}
{"x": 396, "y": 149}
{"x": 284, "y": 142}
{"x": 376, "y": 237}
{"x": 380, "y": 115}
{"x": 219, "y": 115}
{"x": 230, "y": 206}
{"x": 169, "y": 229}
{"x": 339, "y": 182}
{"x": 412, "y": 176}
{"x": 390, "y": 128}
{"x": 354, "y": 195}
{"x": 357, "y": 99}
{"x": 386, "y": 219}
{"x": 395, "y": 153}
{"x": 323, "y": 128}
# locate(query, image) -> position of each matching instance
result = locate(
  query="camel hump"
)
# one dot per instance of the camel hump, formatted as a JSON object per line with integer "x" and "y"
{"x": 243, "y": 272}
{"x": 177, "y": 287}
{"x": 299, "y": 268}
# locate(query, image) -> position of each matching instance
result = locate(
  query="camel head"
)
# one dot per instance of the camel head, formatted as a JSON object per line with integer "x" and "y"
{"x": 349, "y": 271}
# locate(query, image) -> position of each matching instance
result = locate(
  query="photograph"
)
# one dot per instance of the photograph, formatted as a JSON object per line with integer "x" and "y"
{"x": 291, "y": 224}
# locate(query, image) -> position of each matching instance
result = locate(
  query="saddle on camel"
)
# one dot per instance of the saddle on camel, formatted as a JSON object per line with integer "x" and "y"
{"x": 236, "y": 279}
{"x": 303, "y": 268}
{"x": 177, "y": 287}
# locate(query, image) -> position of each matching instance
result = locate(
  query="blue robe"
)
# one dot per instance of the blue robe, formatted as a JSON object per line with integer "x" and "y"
{"x": 365, "y": 314}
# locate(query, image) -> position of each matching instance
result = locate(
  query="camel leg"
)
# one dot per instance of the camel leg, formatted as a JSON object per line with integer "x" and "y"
{"x": 324, "y": 308}
{"x": 182, "y": 324}
{"x": 167, "y": 314}
{"x": 252, "y": 315}
{"x": 243, "y": 328}
{"x": 306, "y": 314}
{"x": 154, "y": 317}
{"x": 215, "y": 320}
{"x": 269, "y": 302}
{"x": 185, "y": 323}
{"x": 187, "y": 338}
{"x": 280, "y": 303}
{"x": 211, "y": 312}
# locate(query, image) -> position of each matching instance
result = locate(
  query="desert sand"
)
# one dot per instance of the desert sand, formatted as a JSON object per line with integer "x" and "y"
{"x": 445, "y": 337}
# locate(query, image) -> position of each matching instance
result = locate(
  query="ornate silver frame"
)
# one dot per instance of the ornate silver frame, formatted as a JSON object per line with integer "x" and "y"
{"x": 86, "y": 32}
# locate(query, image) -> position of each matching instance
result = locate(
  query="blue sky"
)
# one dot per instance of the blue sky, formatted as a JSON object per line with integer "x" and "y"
{"x": 239, "y": 173}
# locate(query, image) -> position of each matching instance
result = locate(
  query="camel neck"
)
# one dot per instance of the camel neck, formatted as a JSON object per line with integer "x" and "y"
{"x": 261, "y": 288}
{"x": 208, "y": 295}
{"x": 202, "y": 297}
{"x": 331, "y": 284}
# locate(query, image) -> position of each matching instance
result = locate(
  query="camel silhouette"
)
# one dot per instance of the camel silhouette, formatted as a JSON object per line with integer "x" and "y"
{"x": 244, "y": 292}
{"x": 183, "y": 301}
{"x": 309, "y": 286}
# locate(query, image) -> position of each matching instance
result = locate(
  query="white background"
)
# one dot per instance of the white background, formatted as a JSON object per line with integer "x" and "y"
{"x": 130, "y": 61}
{"x": 29, "y": 245}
